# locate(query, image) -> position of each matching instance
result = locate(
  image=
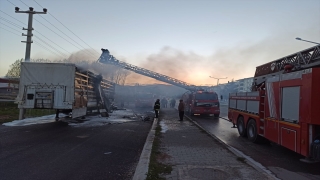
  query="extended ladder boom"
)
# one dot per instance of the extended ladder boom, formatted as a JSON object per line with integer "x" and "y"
{"x": 107, "y": 58}
{"x": 301, "y": 60}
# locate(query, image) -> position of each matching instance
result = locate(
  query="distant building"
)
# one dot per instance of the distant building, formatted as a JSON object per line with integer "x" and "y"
{"x": 8, "y": 88}
{"x": 244, "y": 85}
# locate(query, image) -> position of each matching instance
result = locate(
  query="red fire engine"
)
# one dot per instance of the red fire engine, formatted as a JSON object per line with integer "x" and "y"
{"x": 284, "y": 103}
{"x": 202, "y": 103}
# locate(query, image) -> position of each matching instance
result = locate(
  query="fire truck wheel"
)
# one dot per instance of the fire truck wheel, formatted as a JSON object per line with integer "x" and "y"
{"x": 216, "y": 115}
{"x": 241, "y": 128}
{"x": 252, "y": 131}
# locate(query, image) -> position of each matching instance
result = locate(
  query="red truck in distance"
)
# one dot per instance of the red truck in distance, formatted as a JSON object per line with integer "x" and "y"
{"x": 202, "y": 103}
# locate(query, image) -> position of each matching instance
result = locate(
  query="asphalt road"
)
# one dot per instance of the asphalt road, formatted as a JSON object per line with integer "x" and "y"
{"x": 276, "y": 158}
{"x": 59, "y": 151}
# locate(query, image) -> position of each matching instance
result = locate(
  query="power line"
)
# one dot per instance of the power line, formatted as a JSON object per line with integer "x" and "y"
{"x": 67, "y": 28}
{"x": 10, "y": 31}
{"x": 47, "y": 49}
{"x": 52, "y": 42}
{"x": 12, "y": 3}
{"x": 66, "y": 35}
{"x": 35, "y": 30}
{"x": 63, "y": 33}
{"x": 13, "y": 17}
{"x": 10, "y": 27}
{"x": 38, "y": 38}
{"x": 10, "y": 22}
{"x": 34, "y": 42}
{"x": 24, "y": 3}
{"x": 49, "y": 45}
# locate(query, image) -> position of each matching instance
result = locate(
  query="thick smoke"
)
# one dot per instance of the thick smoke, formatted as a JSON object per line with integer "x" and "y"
{"x": 235, "y": 62}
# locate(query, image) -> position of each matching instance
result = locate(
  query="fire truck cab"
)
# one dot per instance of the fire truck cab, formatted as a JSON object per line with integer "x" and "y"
{"x": 283, "y": 106}
{"x": 202, "y": 103}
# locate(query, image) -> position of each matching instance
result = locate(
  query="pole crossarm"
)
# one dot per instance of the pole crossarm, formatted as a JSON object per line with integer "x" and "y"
{"x": 218, "y": 79}
{"x": 107, "y": 58}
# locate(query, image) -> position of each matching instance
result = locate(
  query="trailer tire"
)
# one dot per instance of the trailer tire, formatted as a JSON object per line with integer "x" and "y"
{"x": 252, "y": 132}
{"x": 241, "y": 127}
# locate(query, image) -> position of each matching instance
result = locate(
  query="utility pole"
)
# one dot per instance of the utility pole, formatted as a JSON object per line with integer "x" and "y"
{"x": 29, "y": 29}
{"x": 29, "y": 40}
{"x": 218, "y": 79}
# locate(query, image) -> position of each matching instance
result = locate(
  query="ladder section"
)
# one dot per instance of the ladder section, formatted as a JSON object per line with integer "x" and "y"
{"x": 261, "y": 112}
{"x": 107, "y": 58}
{"x": 307, "y": 58}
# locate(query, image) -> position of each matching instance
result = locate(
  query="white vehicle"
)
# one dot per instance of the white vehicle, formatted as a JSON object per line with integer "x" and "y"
{"x": 64, "y": 87}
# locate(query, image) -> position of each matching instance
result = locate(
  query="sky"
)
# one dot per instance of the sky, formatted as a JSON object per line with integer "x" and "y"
{"x": 189, "y": 40}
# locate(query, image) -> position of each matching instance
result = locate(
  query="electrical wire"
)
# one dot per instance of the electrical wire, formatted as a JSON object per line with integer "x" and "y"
{"x": 24, "y": 3}
{"x": 48, "y": 49}
{"x": 53, "y": 42}
{"x": 66, "y": 35}
{"x": 13, "y": 17}
{"x": 10, "y": 22}
{"x": 10, "y": 27}
{"x": 49, "y": 45}
{"x": 34, "y": 42}
{"x": 10, "y": 31}
{"x": 88, "y": 52}
{"x": 66, "y": 27}
{"x": 12, "y": 3}
{"x": 36, "y": 37}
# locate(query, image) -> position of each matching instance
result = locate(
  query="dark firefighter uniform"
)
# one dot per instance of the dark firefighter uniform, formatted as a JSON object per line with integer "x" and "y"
{"x": 156, "y": 108}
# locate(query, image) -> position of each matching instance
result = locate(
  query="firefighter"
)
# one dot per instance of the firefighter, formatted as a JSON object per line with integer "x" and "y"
{"x": 156, "y": 107}
{"x": 173, "y": 102}
{"x": 181, "y": 110}
{"x": 165, "y": 102}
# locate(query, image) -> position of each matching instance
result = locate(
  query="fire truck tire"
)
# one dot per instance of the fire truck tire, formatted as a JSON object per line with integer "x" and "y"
{"x": 241, "y": 127}
{"x": 216, "y": 115}
{"x": 252, "y": 132}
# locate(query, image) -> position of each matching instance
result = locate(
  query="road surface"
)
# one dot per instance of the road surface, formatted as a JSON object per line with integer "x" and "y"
{"x": 61, "y": 151}
{"x": 279, "y": 160}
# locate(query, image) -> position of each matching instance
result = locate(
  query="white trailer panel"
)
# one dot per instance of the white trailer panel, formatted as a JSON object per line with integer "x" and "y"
{"x": 45, "y": 85}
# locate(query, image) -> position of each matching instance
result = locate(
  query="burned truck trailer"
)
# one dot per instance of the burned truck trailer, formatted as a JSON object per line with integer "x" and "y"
{"x": 64, "y": 87}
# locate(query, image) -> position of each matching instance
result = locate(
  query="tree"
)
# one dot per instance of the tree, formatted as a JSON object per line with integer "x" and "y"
{"x": 14, "y": 70}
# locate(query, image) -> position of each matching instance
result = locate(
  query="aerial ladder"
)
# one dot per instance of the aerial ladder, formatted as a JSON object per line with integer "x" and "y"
{"x": 298, "y": 61}
{"x": 107, "y": 58}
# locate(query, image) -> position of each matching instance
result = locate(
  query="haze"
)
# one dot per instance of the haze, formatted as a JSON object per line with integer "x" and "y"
{"x": 187, "y": 40}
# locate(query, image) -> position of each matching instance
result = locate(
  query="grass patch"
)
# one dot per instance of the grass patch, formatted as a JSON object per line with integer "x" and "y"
{"x": 10, "y": 111}
{"x": 156, "y": 168}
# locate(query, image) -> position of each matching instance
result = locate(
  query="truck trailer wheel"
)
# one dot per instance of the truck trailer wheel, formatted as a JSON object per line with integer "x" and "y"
{"x": 252, "y": 131}
{"x": 241, "y": 128}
